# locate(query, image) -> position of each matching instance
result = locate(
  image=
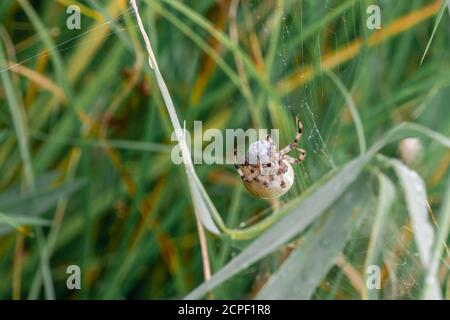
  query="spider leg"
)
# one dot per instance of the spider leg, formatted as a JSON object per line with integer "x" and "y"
{"x": 273, "y": 146}
{"x": 300, "y": 158}
{"x": 253, "y": 176}
{"x": 282, "y": 169}
{"x": 289, "y": 159}
{"x": 281, "y": 179}
{"x": 302, "y": 154}
{"x": 298, "y": 136}
{"x": 238, "y": 167}
{"x": 258, "y": 172}
{"x": 292, "y": 160}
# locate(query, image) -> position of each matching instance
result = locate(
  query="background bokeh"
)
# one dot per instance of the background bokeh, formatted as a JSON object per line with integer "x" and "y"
{"x": 85, "y": 139}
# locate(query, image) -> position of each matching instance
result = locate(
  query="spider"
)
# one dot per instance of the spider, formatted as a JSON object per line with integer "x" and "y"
{"x": 266, "y": 172}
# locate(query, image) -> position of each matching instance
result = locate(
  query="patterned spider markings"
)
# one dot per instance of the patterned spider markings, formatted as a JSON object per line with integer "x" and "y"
{"x": 266, "y": 172}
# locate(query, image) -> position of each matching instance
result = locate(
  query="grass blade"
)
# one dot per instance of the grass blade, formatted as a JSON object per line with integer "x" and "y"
{"x": 45, "y": 266}
{"x": 18, "y": 117}
{"x": 201, "y": 208}
{"x": 18, "y": 222}
{"x": 353, "y": 110}
{"x": 416, "y": 200}
{"x": 303, "y": 271}
{"x": 386, "y": 197}
{"x": 33, "y": 204}
{"x": 436, "y": 24}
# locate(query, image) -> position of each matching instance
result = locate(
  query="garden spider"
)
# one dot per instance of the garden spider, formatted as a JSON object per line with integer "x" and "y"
{"x": 266, "y": 172}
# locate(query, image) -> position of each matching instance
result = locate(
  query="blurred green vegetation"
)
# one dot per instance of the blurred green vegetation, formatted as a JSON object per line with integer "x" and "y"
{"x": 85, "y": 172}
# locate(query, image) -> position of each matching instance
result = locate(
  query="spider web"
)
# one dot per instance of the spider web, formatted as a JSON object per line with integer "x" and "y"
{"x": 321, "y": 107}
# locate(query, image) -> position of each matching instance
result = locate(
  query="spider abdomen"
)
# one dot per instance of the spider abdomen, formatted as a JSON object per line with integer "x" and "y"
{"x": 270, "y": 185}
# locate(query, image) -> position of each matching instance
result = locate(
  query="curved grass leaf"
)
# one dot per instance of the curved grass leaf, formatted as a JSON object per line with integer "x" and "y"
{"x": 198, "y": 193}
{"x": 408, "y": 129}
{"x": 34, "y": 204}
{"x": 301, "y": 216}
{"x": 305, "y": 268}
{"x": 13, "y": 193}
{"x": 444, "y": 4}
{"x": 24, "y": 209}
{"x": 401, "y": 131}
{"x": 416, "y": 200}
{"x": 17, "y": 223}
{"x": 352, "y": 108}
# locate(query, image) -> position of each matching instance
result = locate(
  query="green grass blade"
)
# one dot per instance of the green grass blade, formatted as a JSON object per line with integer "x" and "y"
{"x": 416, "y": 200}
{"x": 45, "y": 269}
{"x": 34, "y": 204}
{"x": 305, "y": 268}
{"x": 198, "y": 193}
{"x": 353, "y": 110}
{"x": 386, "y": 196}
{"x": 17, "y": 223}
{"x": 436, "y": 24}
{"x": 19, "y": 120}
